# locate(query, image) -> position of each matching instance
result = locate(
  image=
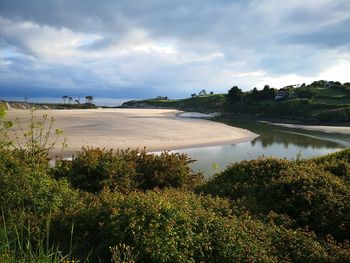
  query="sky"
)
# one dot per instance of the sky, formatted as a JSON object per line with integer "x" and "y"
{"x": 142, "y": 49}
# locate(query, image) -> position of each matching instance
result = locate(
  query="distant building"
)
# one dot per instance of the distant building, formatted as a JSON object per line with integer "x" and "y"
{"x": 285, "y": 93}
{"x": 329, "y": 84}
{"x": 281, "y": 94}
{"x": 162, "y": 98}
{"x": 292, "y": 86}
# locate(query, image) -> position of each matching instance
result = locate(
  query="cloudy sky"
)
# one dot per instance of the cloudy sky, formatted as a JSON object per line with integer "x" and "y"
{"x": 140, "y": 49}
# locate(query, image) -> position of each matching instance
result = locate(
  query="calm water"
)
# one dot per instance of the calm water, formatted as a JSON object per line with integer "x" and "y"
{"x": 273, "y": 141}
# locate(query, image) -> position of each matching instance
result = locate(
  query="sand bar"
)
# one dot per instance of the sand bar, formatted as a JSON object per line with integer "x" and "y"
{"x": 327, "y": 129}
{"x": 155, "y": 129}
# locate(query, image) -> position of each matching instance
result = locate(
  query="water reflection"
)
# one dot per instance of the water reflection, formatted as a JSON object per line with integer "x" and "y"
{"x": 273, "y": 141}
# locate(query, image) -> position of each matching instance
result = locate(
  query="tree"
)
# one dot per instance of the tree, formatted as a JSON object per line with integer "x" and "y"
{"x": 70, "y": 100}
{"x": 254, "y": 94}
{"x": 235, "y": 94}
{"x": 89, "y": 99}
{"x": 267, "y": 93}
{"x": 64, "y": 98}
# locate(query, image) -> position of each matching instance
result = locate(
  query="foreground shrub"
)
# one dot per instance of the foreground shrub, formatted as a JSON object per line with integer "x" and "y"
{"x": 166, "y": 170}
{"x": 176, "y": 226}
{"x": 27, "y": 192}
{"x": 336, "y": 163}
{"x": 93, "y": 169}
{"x": 307, "y": 194}
{"x": 315, "y": 199}
{"x": 127, "y": 170}
{"x": 246, "y": 178}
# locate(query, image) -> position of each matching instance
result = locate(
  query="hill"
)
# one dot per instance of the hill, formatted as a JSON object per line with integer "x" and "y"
{"x": 321, "y": 101}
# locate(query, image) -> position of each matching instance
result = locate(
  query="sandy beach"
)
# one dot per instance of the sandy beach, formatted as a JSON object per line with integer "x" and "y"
{"x": 155, "y": 129}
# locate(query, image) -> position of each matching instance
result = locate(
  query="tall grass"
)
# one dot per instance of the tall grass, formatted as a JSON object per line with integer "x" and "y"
{"x": 18, "y": 244}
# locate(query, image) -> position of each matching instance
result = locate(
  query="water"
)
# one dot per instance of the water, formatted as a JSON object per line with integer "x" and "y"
{"x": 274, "y": 141}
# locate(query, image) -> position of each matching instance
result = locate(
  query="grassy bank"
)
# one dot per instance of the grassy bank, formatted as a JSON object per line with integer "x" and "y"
{"x": 132, "y": 206}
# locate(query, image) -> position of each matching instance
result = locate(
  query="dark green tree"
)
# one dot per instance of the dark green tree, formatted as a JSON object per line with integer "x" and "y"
{"x": 235, "y": 94}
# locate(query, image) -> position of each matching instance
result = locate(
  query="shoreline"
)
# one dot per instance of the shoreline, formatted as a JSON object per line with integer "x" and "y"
{"x": 155, "y": 129}
{"x": 345, "y": 130}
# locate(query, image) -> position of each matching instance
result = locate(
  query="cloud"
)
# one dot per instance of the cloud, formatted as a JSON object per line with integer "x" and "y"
{"x": 144, "y": 48}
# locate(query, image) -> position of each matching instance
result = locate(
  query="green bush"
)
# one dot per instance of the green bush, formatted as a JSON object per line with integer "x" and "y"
{"x": 166, "y": 170}
{"x": 314, "y": 198}
{"x": 306, "y": 192}
{"x": 336, "y": 163}
{"x": 177, "y": 226}
{"x": 93, "y": 169}
{"x": 246, "y": 177}
{"x": 29, "y": 193}
{"x": 124, "y": 171}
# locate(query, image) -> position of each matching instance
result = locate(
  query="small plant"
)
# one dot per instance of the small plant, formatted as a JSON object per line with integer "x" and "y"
{"x": 4, "y": 128}
{"x": 122, "y": 253}
{"x": 37, "y": 138}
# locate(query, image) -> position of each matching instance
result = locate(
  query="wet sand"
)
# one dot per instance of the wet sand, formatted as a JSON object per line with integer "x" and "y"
{"x": 155, "y": 129}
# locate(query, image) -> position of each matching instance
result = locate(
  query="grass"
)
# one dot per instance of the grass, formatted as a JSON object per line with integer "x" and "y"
{"x": 17, "y": 245}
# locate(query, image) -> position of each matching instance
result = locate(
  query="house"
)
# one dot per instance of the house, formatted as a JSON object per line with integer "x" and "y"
{"x": 281, "y": 94}
{"x": 292, "y": 86}
{"x": 202, "y": 92}
{"x": 285, "y": 93}
{"x": 329, "y": 84}
{"x": 161, "y": 98}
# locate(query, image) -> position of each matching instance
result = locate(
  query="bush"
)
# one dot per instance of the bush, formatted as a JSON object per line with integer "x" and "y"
{"x": 93, "y": 169}
{"x": 305, "y": 191}
{"x": 29, "y": 193}
{"x": 246, "y": 177}
{"x": 166, "y": 170}
{"x": 124, "y": 171}
{"x": 336, "y": 163}
{"x": 314, "y": 198}
{"x": 177, "y": 226}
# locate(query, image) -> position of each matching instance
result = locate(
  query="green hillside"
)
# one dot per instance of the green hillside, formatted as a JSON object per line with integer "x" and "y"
{"x": 207, "y": 103}
{"x": 320, "y": 101}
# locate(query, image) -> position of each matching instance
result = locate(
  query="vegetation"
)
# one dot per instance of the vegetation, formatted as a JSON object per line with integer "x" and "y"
{"x": 205, "y": 103}
{"x": 124, "y": 171}
{"x": 131, "y": 206}
{"x": 311, "y": 194}
{"x": 47, "y": 106}
{"x": 321, "y": 101}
